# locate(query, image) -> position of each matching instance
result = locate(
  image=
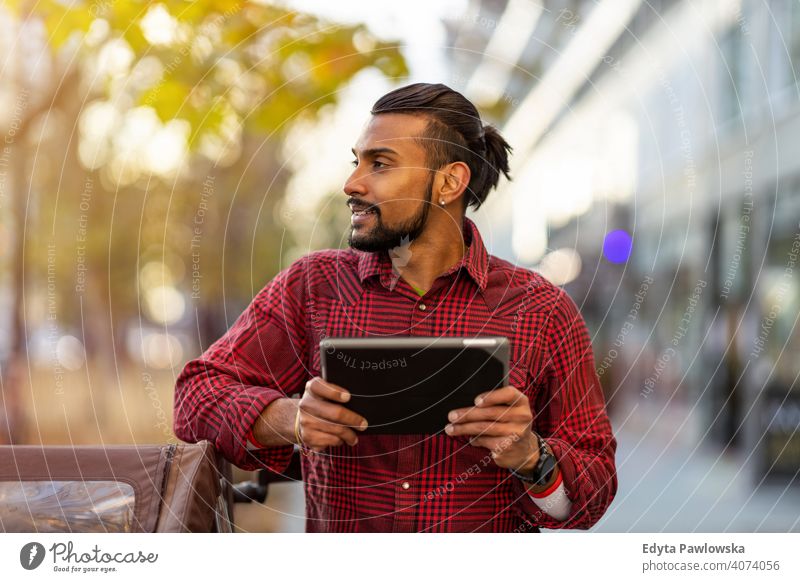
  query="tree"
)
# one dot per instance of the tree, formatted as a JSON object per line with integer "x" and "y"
{"x": 128, "y": 112}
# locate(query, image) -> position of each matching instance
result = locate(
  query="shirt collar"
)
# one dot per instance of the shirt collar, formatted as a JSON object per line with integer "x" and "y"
{"x": 475, "y": 260}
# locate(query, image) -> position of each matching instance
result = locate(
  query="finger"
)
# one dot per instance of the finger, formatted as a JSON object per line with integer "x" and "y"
{"x": 347, "y": 435}
{"x": 312, "y": 424}
{"x": 319, "y": 441}
{"x": 497, "y": 413}
{"x": 486, "y": 442}
{"x": 495, "y": 444}
{"x": 331, "y": 412}
{"x": 507, "y": 395}
{"x": 326, "y": 390}
{"x": 484, "y": 428}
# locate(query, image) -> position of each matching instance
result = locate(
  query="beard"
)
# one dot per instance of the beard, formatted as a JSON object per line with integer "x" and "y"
{"x": 384, "y": 238}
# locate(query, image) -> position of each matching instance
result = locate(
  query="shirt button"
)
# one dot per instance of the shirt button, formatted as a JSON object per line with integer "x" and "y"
{"x": 406, "y": 485}
{"x": 422, "y": 307}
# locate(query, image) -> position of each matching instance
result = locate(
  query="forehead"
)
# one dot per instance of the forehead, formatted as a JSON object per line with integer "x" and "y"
{"x": 393, "y": 130}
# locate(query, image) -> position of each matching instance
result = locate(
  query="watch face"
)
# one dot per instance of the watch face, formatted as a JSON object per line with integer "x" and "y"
{"x": 545, "y": 468}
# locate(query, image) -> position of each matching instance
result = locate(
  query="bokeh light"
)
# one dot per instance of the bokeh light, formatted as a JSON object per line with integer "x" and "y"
{"x": 617, "y": 246}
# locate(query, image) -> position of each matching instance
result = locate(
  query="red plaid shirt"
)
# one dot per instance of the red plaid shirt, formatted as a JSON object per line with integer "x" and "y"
{"x": 409, "y": 483}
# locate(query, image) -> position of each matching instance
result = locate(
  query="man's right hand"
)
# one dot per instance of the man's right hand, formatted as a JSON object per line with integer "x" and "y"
{"x": 324, "y": 422}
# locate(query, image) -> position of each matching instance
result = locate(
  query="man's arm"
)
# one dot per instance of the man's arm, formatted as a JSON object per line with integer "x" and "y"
{"x": 261, "y": 359}
{"x": 571, "y": 416}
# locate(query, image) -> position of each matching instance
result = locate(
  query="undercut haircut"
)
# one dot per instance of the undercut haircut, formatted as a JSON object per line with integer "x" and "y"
{"x": 455, "y": 133}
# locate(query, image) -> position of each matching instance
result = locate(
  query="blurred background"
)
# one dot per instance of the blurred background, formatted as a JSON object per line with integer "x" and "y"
{"x": 161, "y": 161}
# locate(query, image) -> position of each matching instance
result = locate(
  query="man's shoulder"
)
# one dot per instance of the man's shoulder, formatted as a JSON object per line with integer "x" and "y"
{"x": 330, "y": 264}
{"x": 321, "y": 269}
{"x": 324, "y": 259}
{"x": 518, "y": 284}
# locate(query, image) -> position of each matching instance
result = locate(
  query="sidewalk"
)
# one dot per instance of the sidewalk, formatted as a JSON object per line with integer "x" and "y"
{"x": 670, "y": 484}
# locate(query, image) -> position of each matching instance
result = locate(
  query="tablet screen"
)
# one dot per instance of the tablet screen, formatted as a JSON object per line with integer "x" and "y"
{"x": 409, "y": 385}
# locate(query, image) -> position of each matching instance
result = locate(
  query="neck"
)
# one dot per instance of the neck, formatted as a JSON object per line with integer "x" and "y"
{"x": 437, "y": 249}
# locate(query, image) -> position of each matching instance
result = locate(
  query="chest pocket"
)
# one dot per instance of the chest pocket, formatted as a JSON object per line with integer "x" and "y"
{"x": 325, "y": 324}
{"x": 518, "y": 367}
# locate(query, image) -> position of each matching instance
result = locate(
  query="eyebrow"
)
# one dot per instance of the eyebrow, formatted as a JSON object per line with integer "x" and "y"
{"x": 374, "y": 152}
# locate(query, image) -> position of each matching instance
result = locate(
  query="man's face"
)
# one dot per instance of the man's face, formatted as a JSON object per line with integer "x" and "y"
{"x": 390, "y": 189}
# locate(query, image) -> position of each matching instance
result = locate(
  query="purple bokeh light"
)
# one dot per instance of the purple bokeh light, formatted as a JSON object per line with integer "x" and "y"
{"x": 617, "y": 246}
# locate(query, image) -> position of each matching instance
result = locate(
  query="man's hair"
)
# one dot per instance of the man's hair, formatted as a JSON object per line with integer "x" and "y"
{"x": 455, "y": 133}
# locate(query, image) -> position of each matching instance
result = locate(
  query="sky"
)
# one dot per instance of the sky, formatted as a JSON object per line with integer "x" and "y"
{"x": 423, "y": 38}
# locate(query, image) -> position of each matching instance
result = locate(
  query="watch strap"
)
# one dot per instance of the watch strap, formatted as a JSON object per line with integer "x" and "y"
{"x": 544, "y": 451}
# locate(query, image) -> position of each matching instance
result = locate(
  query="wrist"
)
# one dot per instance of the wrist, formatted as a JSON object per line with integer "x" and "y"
{"x": 528, "y": 467}
{"x": 275, "y": 425}
{"x": 540, "y": 471}
{"x": 536, "y": 489}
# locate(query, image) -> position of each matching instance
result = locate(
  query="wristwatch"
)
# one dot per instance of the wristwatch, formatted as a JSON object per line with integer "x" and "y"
{"x": 544, "y": 468}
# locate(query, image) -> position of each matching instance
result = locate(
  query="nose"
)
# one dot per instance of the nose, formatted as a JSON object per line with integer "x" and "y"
{"x": 355, "y": 184}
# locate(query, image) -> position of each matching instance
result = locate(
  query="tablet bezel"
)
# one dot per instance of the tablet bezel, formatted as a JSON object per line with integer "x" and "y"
{"x": 497, "y": 346}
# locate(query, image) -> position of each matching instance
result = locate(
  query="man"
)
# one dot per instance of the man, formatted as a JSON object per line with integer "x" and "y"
{"x": 539, "y": 452}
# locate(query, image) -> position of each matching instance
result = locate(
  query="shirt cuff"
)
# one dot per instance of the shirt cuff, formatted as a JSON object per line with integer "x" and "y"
{"x": 252, "y": 443}
{"x": 559, "y": 480}
{"x": 252, "y": 455}
{"x": 530, "y": 505}
{"x": 553, "y": 501}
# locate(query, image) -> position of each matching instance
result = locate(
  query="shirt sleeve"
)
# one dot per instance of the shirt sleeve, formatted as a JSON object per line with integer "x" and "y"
{"x": 554, "y": 500}
{"x": 262, "y": 357}
{"x": 570, "y": 414}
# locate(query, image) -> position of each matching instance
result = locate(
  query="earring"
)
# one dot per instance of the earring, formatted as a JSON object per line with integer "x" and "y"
{"x": 441, "y": 201}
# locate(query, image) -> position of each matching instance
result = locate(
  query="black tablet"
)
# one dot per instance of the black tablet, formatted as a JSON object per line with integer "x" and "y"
{"x": 408, "y": 385}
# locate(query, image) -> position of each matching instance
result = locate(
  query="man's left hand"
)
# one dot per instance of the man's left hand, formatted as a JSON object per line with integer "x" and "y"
{"x": 501, "y": 422}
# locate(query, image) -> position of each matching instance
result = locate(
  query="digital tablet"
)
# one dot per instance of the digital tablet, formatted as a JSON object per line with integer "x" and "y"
{"x": 408, "y": 385}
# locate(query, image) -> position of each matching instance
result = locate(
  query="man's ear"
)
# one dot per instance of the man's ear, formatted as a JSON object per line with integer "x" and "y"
{"x": 451, "y": 182}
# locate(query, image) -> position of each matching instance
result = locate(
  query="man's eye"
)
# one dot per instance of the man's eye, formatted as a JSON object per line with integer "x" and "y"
{"x": 376, "y": 164}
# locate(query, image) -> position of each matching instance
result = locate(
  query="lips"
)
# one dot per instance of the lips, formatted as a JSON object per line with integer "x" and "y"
{"x": 361, "y": 214}
{"x": 358, "y": 208}
{"x": 359, "y": 218}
